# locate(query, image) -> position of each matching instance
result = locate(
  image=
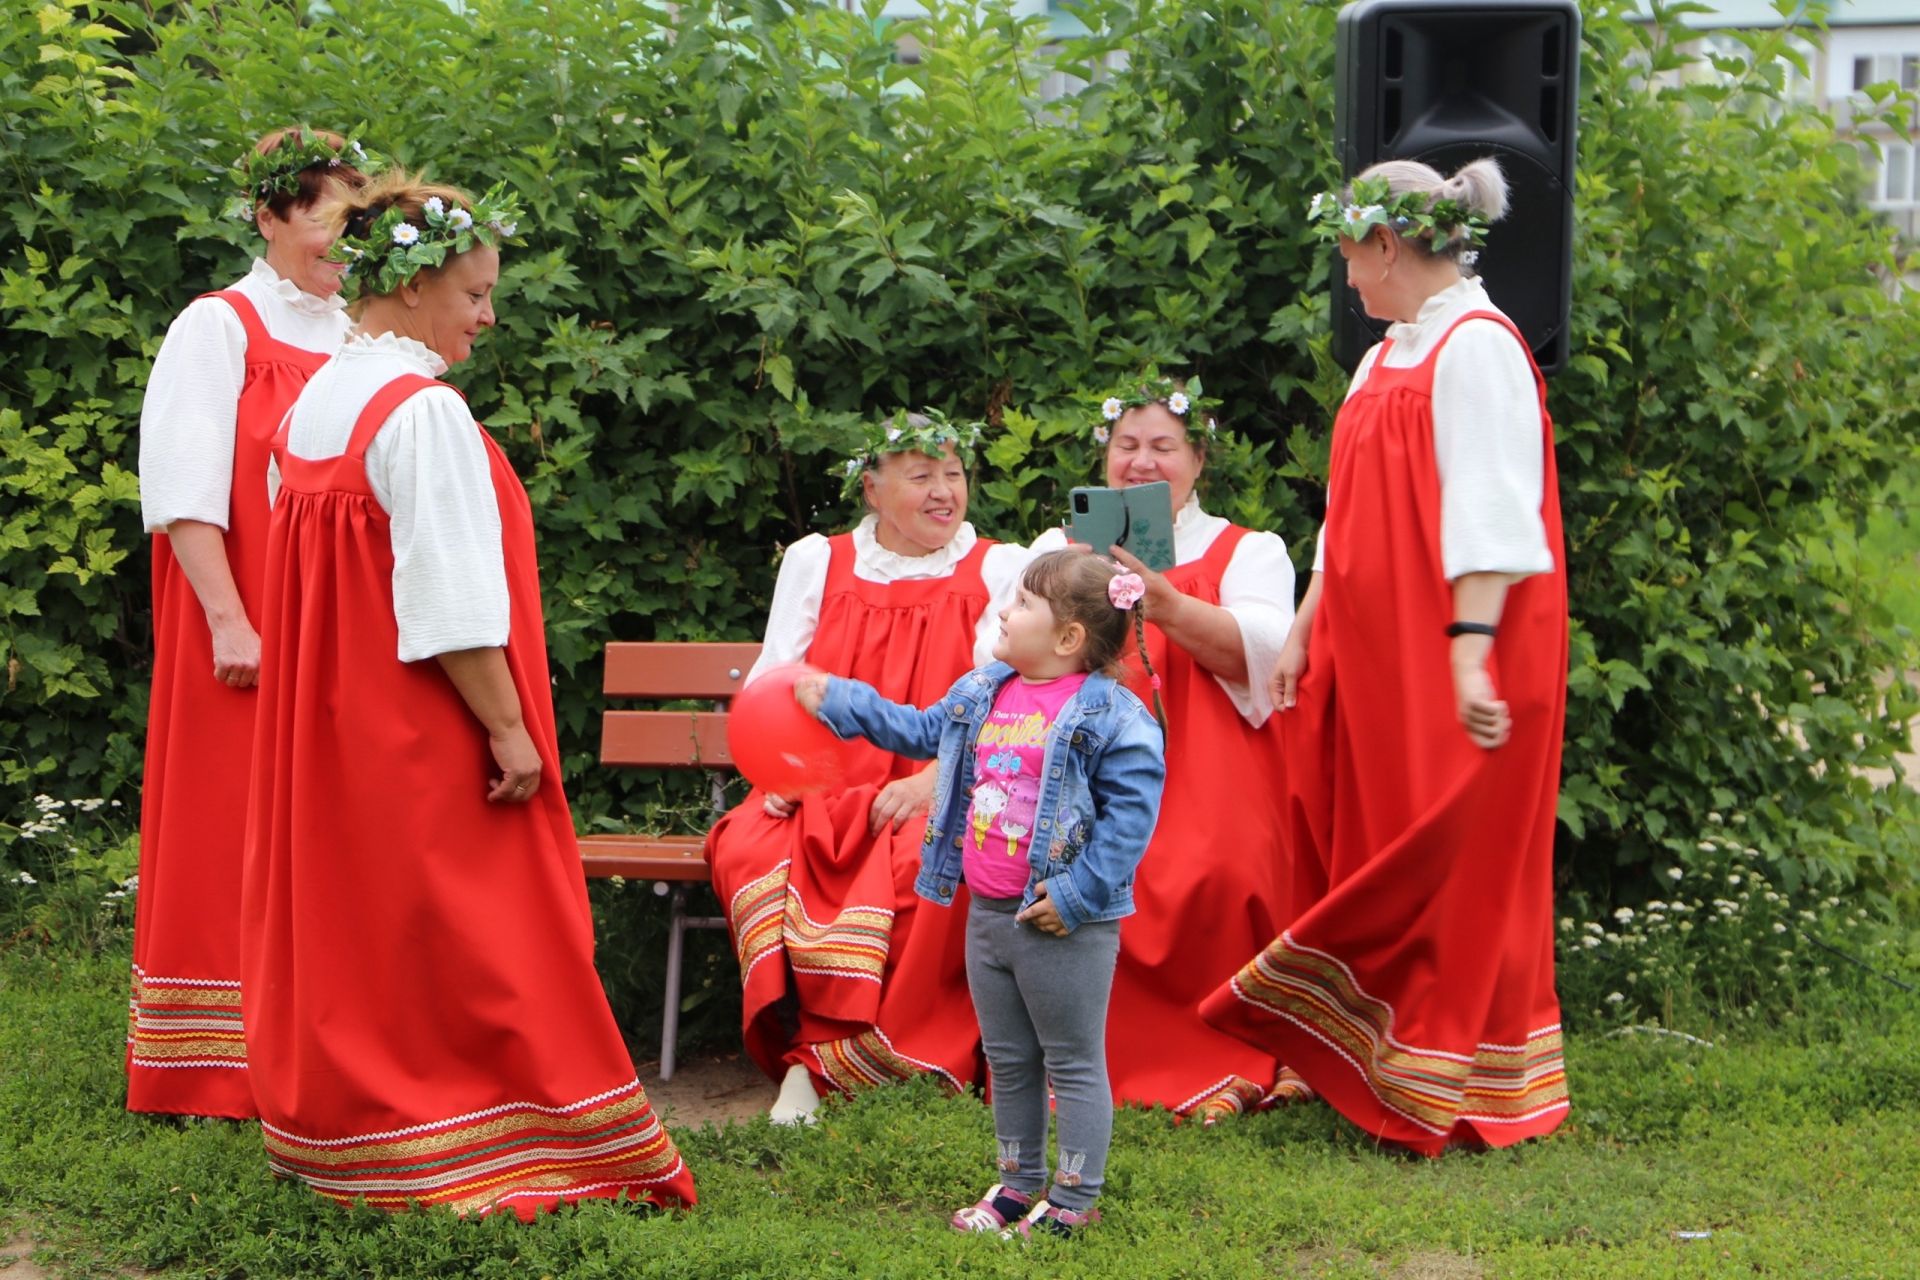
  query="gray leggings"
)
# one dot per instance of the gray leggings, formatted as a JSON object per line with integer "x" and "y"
{"x": 1042, "y": 1005}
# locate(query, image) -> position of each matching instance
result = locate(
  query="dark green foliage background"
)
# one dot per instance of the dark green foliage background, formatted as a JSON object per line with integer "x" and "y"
{"x": 751, "y": 227}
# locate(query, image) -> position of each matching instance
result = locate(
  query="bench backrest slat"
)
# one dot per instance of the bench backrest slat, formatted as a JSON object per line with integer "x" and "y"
{"x": 686, "y": 669}
{"x": 665, "y": 739}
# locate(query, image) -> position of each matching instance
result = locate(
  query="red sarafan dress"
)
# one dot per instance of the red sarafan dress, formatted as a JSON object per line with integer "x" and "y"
{"x": 1414, "y": 987}
{"x": 424, "y": 1019}
{"x": 822, "y": 908}
{"x": 186, "y": 1053}
{"x": 1211, "y": 889}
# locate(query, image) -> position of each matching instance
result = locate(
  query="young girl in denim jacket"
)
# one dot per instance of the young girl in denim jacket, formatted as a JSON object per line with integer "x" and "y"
{"x": 1047, "y": 791}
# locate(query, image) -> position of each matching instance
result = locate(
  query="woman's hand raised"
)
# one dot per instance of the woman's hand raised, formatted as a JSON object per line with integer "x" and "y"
{"x": 1162, "y": 597}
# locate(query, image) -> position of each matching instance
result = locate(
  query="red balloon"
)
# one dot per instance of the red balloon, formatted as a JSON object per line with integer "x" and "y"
{"x": 776, "y": 744}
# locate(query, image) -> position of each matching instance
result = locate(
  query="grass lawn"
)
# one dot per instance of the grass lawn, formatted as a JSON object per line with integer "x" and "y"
{"x": 1797, "y": 1149}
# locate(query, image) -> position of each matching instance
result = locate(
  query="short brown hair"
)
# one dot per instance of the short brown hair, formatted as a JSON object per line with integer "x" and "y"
{"x": 315, "y": 179}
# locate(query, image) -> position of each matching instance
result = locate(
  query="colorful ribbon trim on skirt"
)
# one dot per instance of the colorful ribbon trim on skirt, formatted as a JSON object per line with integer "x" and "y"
{"x": 1497, "y": 1084}
{"x": 479, "y": 1162}
{"x": 185, "y": 1022}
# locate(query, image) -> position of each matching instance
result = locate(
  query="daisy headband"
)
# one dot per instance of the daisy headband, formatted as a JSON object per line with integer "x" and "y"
{"x": 900, "y": 433}
{"x": 1184, "y": 400}
{"x": 1411, "y": 213}
{"x": 278, "y": 171}
{"x": 384, "y": 250}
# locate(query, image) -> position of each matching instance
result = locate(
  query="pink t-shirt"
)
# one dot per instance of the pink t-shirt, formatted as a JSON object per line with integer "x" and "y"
{"x": 1006, "y": 782}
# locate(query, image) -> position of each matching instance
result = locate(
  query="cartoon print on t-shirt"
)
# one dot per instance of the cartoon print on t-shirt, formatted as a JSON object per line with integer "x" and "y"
{"x": 988, "y": 801}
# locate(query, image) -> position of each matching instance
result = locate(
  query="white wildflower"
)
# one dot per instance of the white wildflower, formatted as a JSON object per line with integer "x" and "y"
{"x": 1623, "y": 914}
{"x": 1615, "y": 998}
{"x": 1179, "y": 404}
{"x": 1589, "y": 942}
{"x": 435, "y": 205}
{"x": 893, "y": 434}
{"x": 1778, "y": 927}
{"x": 1716, "y": 819}
{"x": 1705, "y": 846}
{"x": 1734, "y": 881}
{"x": 1319, "y": 202}
{"x": 1111, "y": 408}
{"x": 25, "y": 878}
{"x": 1101, "y": 435}
{"x": 1566, "y": 924}
{"x": 405, "y": 234}
{"x": 1593, "y": 926}
{"x": 1675, "y": 873}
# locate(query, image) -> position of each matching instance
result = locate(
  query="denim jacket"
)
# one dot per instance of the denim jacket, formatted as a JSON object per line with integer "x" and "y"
{"x": 1100, "y": 783}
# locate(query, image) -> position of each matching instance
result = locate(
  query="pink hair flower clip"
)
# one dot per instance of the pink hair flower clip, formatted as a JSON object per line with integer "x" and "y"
{"x": 1125, "y": 590}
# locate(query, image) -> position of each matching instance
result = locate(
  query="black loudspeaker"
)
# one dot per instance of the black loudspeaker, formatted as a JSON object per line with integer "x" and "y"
{"x": 1445, "y": 82}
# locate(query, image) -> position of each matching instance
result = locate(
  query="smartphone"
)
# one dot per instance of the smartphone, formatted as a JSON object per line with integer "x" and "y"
{"x": 1138, "y": 518}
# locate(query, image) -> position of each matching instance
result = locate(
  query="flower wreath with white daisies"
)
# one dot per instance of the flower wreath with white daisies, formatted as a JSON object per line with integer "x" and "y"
{"x": 898, "y": 433}
{"x": 1448, "y": 224}
{"x": 1183, "y": 398}
{"x": 393, "y": 249}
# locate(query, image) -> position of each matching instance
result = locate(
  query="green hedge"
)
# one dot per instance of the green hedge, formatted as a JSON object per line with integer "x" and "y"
{"x": 752, "y": 227}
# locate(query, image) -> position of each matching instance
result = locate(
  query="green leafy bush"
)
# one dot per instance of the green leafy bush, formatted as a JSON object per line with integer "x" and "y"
{"x": 753, "y": 226}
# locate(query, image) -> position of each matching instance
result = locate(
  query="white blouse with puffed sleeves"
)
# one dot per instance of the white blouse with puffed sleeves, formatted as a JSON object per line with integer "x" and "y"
{"x": 801, "y": 586}
{"x": 429, "y": 471}
{"x": 187, "y": 420}
{"x": 1486, "y": 436}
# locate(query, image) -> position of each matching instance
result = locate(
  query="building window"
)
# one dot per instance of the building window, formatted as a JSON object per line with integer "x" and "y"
{"x": 1902, "y": 69}
{"x": 1897, "y": 175}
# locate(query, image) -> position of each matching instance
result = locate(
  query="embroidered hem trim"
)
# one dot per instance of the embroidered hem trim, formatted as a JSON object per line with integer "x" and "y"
{"x": 1431, "y": 1088}
{"x": 478, "y": 1162}
{"x": 1230, "y": 1097}
{"x": 853, "y": 944}
{"x": 185, "y": 1022}
{"x": 868, "y": 1060}
{"x": 755, "y": 914}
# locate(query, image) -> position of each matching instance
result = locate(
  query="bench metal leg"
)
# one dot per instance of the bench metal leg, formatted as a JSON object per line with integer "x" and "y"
{"x": 676, "y": 945}
{"x": 678, "y": 922}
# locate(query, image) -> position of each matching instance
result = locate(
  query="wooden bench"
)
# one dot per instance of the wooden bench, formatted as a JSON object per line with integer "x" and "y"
{"x": 657, "y": 739}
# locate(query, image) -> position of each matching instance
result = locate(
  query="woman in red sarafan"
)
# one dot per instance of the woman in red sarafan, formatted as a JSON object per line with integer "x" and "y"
{"x": 1423, "y": 698}
{"x": 1213, "y": 884}
{"x": 847, "y": 982}
{"x": 424, "y": 1021}
{"x": 230, "y": 365}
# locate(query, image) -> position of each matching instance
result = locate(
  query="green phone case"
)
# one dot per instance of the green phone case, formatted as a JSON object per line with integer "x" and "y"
{"x": 1138, "y": 518}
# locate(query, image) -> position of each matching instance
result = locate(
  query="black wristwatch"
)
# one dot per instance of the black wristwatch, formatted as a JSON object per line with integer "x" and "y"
{"x": 1472, "y": 629}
